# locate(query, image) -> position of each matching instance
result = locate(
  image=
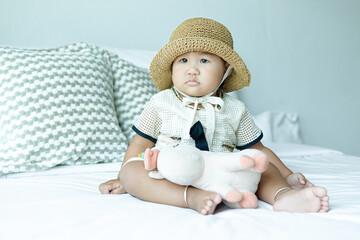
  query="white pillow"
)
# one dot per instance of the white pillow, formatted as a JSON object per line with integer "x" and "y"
{"x": 140, "y": 58}
{"x": 56, "y": 107}
{"x": 279, "y": 127}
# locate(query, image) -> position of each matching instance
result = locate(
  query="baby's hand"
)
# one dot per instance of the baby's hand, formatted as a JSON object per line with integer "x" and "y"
{"x": 298, "y": 180}
{"x": 113, "y": 186}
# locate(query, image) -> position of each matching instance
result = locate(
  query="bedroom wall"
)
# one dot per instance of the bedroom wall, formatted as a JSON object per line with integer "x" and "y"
{"x": 304, "y": 56}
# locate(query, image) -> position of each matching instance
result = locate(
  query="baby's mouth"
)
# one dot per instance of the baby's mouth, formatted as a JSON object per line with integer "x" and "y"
{"x": 192, "y": 82}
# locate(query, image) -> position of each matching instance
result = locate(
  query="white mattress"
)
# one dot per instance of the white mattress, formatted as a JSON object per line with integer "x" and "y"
{"x": 64, "y": 203}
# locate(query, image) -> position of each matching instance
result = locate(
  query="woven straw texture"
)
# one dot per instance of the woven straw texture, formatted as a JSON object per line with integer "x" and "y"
{"x": 199, "y": 34}
{"x": 56, "y": 107}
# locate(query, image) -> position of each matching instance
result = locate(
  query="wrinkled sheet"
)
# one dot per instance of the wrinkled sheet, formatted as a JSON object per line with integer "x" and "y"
{"x": 64, "y": 203}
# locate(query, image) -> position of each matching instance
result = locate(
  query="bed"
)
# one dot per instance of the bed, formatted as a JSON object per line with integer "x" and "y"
{"x": 43, "y": 199}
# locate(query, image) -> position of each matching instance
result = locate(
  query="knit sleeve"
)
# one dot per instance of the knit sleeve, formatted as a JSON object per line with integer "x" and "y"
{"x": 149, "y": 123}
{"x": 248, "y": 132}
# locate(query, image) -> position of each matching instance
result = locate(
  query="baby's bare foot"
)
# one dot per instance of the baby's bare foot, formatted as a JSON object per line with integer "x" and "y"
{"x": 203, "y": 201}
{"x": 311, "y": 199}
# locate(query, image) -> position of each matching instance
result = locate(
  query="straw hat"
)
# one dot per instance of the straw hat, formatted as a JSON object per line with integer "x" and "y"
{"x": 199, "y": 34}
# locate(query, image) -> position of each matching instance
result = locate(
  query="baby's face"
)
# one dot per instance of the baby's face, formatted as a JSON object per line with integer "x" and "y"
{"x": 197, "y": 73}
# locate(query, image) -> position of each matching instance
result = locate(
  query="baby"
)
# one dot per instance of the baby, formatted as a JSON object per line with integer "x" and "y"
{"x": 194, "y": 72}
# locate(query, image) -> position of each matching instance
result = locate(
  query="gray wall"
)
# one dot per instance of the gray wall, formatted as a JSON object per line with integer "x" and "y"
{"x": 304, "y": 56}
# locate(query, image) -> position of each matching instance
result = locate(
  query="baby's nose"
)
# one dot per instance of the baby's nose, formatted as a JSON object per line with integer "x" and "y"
{"x": 193, "y": 69}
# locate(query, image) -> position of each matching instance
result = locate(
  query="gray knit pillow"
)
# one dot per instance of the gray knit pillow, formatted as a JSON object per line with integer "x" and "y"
{"x": 133, "y": 88}
{"x": 56, "y": 107}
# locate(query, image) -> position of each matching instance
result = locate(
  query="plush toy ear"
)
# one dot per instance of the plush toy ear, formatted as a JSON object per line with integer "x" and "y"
{"x": 150, "y": 158}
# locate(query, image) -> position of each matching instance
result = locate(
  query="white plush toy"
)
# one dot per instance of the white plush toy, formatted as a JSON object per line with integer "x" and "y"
{"x": 235, "y": 175}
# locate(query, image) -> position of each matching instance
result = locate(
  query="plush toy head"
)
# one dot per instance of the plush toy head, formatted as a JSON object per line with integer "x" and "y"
{"x": 182, "y": 164}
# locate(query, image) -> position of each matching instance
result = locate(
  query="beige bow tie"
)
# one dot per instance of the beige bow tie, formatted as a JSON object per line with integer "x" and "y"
{"x": 210, "y": 104}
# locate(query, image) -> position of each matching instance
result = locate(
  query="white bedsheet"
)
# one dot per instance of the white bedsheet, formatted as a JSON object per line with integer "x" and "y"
{"x": 64, "y": 203}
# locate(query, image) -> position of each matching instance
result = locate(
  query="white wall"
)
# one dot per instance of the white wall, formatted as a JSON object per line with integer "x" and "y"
{"x": 304, "y": 56}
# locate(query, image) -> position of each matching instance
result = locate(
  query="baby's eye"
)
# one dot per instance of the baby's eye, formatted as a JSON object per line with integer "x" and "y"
{"x": 204, "y": 61}
{"x": 183, "y": 60}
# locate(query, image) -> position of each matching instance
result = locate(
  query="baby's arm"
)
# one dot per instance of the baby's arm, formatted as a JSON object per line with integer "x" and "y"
{"x": 114, "y": 186}
{"x": 296, "y": 180}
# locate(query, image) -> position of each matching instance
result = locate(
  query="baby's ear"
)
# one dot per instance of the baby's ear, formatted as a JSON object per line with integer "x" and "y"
{"x": 227, "y": 66}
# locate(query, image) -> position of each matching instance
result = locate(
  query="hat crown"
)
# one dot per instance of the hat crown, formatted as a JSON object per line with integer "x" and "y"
{"x": 202, "y": 28}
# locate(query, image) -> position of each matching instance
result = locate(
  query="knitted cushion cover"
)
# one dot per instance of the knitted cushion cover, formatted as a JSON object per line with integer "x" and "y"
{"x": 56, "y": 107}
{"x": 133, "y": 88}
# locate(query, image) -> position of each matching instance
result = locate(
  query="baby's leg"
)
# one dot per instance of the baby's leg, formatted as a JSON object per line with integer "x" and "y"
{"x": 137, "y": 182}
{"x": 311, "y": 199}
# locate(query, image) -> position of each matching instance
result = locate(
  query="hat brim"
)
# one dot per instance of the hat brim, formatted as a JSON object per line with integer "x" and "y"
{"x": 160, "y": 67}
